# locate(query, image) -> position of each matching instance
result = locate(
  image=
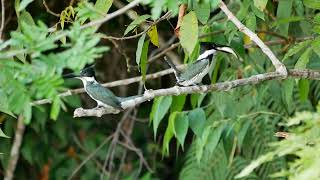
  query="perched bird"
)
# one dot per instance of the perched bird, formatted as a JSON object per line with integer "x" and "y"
{"x": 194, "y": 73}
{"x": 103, "y": 96}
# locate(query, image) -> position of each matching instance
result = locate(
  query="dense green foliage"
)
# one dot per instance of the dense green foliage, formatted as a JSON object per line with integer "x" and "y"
{"x": 199, "y": 136}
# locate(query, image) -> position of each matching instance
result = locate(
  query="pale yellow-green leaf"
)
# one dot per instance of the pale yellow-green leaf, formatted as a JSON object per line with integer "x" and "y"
{"x": 260, "y": 4}
{"x": 103, "y": 6}
{"x": 189, "y": 32}
{"x": 153, "y": 34}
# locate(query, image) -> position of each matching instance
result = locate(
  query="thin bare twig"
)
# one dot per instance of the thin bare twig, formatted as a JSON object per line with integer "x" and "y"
{"x": 49, "y": 10}
{"x": 223, "y": 86}
{"x": 15, "y": 148}
{"x": 3, "y": 12}
{"x": 74, "y": 172}
{"x": 110, "y": 154}
{"x": 280, "y": 68}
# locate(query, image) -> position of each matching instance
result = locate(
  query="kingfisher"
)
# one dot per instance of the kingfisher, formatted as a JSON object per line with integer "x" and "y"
{"x": 194, "y": 73}
{"x": 103, "y": 96}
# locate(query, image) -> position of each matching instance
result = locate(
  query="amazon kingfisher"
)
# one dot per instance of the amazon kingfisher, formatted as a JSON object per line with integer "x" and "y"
{"x": 103, "y": 96}
{"x": 194, "y": 73}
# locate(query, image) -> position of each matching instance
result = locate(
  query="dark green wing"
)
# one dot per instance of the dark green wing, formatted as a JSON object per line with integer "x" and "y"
{"x": 193, "y": 69}
{"x": 98, "y": 92}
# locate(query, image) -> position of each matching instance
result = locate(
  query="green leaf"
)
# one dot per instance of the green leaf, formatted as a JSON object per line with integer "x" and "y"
{"x": 284, "y": 14}
{"x": 178, "y": 103}
{"x": 316, "y": 19}
{"x": 260, "y": 4}
{"x": 103, "y": 6}
{"x": 2, "y": 134}
{"x": 251, "y": 22}
{"x": 316, "y": 46}
{"x": 169, "y": 133}
{"x": 286, "y": 21}
{"x": 254, "y": 164}
{"x": 55, "y": 108}
{"x": 159, "y": 109}
{"x": 303, "y": 60}
{"x": 314, "y": 4}
{"x": 157, "y": 8}
{"x": 295, "y": 49}
{"x": 203, "y": 11}
{"x": 153, "y": 34}
{"x": 24, "y": 4}
{"x": 135, "y": 23}
{"x": 181, "y": 124}
{"x": 144, "y": 60}
{"x": 197, "y": 119}
{"x": 139, "y": 49}
{"x": 304, "y": 86}
{"x": 214, "y": 137}
{"x": 4, "y": 104}
{"x": 288, "y": 86}
{"x": 189, "y": 32}
{"x": 27, "y": 113}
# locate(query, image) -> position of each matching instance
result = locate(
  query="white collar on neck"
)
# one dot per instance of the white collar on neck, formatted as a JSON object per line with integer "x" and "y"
{"x": 206, "y": 54}
{"x": 86, "y": 80}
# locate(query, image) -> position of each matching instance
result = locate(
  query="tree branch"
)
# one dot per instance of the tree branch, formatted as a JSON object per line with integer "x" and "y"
{"x": 14, "y": 154}
{"x": 110, "y": 84}
{"x": 49, "y": 10}
{"x": 280, "y": 68}
{"x": 223, "y": 86}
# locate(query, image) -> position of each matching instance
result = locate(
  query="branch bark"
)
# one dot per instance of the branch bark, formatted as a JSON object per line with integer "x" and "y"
{"x": 280, "y": 68}
{"x": 14, "y": 154}
{"x": 223, "y": 86}
{"x": 2, "y": 17}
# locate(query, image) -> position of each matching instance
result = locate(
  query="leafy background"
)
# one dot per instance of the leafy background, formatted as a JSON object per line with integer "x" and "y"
{"x": 199, "y": 136}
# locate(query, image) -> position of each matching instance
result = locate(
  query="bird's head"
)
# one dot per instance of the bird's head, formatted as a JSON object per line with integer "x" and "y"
{"x": 86, "y": 73}
{"x": 208, "y": 49}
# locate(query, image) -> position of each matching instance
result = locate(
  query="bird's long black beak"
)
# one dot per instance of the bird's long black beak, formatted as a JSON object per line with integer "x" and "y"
{"x": 70, "y": 75}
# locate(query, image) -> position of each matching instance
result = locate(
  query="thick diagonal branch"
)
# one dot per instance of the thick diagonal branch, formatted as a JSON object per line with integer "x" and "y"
{"x": 15, "y": 149}
{"x": 280, "y": 68}
{"x": 223, "y": 86}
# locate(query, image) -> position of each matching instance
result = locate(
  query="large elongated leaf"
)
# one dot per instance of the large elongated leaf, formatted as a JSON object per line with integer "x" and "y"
{"x": 189, "y": 32}
{"x": 197, "y": 119}
{"x": 303, "y": 60}
{"x": 181, "y": 124}
{"x": 203, "y": 11}
{"x": 284, "y": 11}
{"x": 139, "y": 49}
{"x": 169, "y": 133}
{"x": 295, "y": 49}
{"x": 144, "y": 60}
{"x": 159, "y": 109}
{"x": 178, "y": 103}
{"x": 304, "y": 86}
